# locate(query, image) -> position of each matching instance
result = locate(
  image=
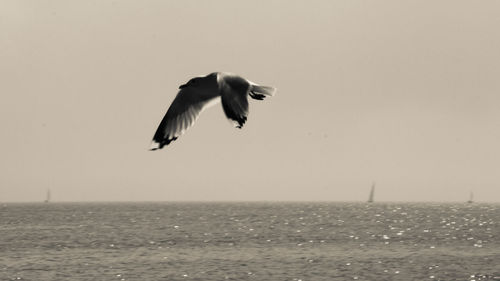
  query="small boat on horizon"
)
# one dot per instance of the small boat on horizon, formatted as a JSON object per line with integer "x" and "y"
{"x": 471, "y": 197}
{"x": 47, "y": 199}
{"x": 372, "y": 193}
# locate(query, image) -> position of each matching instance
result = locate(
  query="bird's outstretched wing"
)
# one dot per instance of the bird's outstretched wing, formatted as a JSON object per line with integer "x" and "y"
{"x": 181, "y": 114}
{"x": 234, "y": 97}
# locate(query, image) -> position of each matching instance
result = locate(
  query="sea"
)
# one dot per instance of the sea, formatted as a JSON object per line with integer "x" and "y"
{"x": 295, "y": 241}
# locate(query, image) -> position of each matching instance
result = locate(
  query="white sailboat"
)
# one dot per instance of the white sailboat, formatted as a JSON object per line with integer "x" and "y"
{"x": 372, "y": 194}
{"x": 471, "y": 197}
{"x": 47, "y": 199}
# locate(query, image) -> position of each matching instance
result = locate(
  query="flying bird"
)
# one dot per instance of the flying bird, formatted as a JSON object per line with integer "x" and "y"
{"x": 201, "y": 92}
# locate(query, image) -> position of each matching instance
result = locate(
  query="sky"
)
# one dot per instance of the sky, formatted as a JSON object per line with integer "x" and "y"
{"x": 402, "y": 93}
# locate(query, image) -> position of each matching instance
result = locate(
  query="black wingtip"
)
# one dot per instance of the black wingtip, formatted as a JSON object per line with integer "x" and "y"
{"x": 256, "y": 96}
{"x": 157, "y": 145}
{"x": 241, "y": 121}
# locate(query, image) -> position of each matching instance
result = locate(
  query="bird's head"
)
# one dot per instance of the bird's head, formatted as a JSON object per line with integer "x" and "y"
{"x": 201, "y": 81}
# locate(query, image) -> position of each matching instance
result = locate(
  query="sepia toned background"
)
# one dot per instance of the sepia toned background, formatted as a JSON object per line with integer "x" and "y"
{"x": 402, "y": 93}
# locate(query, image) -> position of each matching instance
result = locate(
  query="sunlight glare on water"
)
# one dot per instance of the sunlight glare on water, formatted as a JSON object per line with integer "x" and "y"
{"x": 249, "y": 241}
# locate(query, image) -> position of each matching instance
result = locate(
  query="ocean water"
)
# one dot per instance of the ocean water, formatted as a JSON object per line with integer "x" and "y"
{"x": 249, "y": 241}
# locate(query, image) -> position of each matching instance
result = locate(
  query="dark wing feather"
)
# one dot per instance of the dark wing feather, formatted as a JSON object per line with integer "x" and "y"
{"x": 234, "y": 97}
{"x": 181, "y": 115}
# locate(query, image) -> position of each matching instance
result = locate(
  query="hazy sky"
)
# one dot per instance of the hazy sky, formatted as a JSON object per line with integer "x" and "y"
{"x": 404, "y": 93}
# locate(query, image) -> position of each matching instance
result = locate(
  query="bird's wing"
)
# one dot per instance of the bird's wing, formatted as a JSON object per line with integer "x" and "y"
{"x": 234, "y": 97}
{"x": 181, "y": 114}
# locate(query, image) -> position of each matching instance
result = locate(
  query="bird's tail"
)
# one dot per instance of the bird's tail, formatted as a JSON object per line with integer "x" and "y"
{"x": 260, "y": 92}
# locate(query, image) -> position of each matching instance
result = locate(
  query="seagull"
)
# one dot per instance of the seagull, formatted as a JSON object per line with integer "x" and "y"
{"x": 204, "y": 91}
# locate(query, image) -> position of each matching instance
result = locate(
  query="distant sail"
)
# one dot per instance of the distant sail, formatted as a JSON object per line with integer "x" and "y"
{"x": 47, "y": 200}
{"x": 471, "y": 197}
{"x": 372, "y": 194}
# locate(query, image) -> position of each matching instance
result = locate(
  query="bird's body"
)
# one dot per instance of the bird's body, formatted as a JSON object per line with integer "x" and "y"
{"x": 201, "y": 92}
